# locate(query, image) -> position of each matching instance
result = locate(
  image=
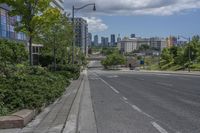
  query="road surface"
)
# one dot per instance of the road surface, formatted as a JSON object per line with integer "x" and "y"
{"x": 136, "y": 102}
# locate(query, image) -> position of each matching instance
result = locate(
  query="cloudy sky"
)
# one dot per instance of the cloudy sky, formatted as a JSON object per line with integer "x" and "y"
{"x": 142, "y": 17}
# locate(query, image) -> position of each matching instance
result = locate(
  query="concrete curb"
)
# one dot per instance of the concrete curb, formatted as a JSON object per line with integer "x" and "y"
{"x": 71, "y": 124}
{"x": 17, "y": 120}
{"x": 86, "y": 120}
{"x": 168, "y": 72}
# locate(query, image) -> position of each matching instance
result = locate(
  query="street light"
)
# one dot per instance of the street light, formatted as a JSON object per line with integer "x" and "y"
{"x": 73, "y": 10}
{"x": 189, "y": 53}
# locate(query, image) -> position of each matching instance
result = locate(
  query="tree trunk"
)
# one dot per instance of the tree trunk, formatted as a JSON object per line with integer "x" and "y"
{"x": 30, "y": 51}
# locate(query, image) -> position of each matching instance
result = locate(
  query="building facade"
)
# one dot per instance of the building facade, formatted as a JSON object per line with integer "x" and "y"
{"x": 58, "y": 4}
{"x": 96, "y": 40}
{"x": 81, "y": 34}
{"x": 112, "y": 40}
{"x": 128, "y": 45}
{"x": 118, "y": 38}
{"x": 90, "y": 39}
{"x": 104, "y": 41}
{"x": 171, "y": 41}
{"x": 7, "y": 25}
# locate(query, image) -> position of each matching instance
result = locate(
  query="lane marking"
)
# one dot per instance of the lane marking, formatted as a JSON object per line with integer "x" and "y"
{"x": 125, "y": 98}
{"x": 113, "y": 76}
{"x": 116, "y": 91}
{"x": 141, "y": 79}
{"x": 158, "y": 127}
{"x": 165, "y": 84}
{"x": 136, "y": 108}
{"x": 162, "y": 74}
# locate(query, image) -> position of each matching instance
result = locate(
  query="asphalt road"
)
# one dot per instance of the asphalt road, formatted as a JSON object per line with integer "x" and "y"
{"x": 135, "y": 102}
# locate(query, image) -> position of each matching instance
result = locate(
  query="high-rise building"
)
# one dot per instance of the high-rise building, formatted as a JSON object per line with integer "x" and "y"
{"x": 81, "y": 34}
{"x": 112, "y": 40}
{"x": 89, "y": 39}
{"x": 118, "y": 38}
{"x": 96, "y": 40}
{"x": 133, "y": 36}
{"x": 104, "y": 41}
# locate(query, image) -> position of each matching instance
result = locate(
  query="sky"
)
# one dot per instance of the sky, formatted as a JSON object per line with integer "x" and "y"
{"x": 145, "y": 18}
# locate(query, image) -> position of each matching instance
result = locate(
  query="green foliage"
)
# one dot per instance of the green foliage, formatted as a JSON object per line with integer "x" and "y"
{"x": 113, "y": 60}
{"x": 108, "y": 51}
{"x": 178, "y": 57}
{"x": 30, "y": 12}
{"x": 11, "y": 53}
{"x": 30, "y": 87}
{"x": 56, "y": 37}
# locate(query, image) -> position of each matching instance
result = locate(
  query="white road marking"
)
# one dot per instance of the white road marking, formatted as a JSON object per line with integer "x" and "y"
{"x": 162, "y": 74}
{"x": 141, "y": 79}
{"x": 136, "y": 108}
{"x": 165, "y": 84}
{"x": 116, "y": 91}
{"x": 113, "y": 76}
{"x": 125, "y": 98}
{"x": 158, "y": 127}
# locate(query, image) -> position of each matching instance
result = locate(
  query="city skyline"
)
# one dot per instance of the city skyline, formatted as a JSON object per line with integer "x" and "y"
{"x": 155, "y": 18}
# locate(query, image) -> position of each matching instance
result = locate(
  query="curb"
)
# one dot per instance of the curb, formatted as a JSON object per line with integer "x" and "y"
{"x": 165, "y": 72}
{"x": 71, "y": 124}
{"x": 86, "y": 119}
{"x": 18, "y": 119}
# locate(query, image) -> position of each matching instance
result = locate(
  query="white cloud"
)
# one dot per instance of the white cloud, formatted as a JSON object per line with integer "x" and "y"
{"x": 95, "y": 24}
{"x": 137, "y": 7}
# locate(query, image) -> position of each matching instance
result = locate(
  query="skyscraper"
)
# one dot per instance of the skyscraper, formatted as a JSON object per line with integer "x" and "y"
{"x": 96, "y": 40}
{"x": 105, "y": 41}
{"x": 89, "y": 39}
{"x": 81, "y": 37}
{"x": 112, "y": 40}
{"x": 119, "y": 38}
{"x": 133, "y": 36}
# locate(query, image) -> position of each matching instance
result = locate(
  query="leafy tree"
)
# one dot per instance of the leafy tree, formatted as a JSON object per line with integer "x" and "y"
{"x": 108, "y": 51}
{"x": 166, "y": 57}
{"x": 29, "y": 10}
{"x": 56, "y": 35}
{"x": 11, "y": 53}
{"x": 113, "y": 60}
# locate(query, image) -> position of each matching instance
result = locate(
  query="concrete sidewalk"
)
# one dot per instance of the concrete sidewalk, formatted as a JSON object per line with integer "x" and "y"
{"x": 53, "y": 118}
{"x": 81, "y": 118}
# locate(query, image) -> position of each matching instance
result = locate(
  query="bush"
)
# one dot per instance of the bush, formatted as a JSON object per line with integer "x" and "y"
{"x": 113, "y": 60}
{"x": 71, "y": 71}
{"x": 30, "y": 87}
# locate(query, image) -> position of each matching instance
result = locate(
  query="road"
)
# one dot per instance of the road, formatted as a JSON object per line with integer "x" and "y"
{"x": 136, "y": 102}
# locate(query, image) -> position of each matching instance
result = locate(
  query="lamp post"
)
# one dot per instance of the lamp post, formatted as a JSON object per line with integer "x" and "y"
{"x": 189, "y": 52}
{"x": 73, "y": 25}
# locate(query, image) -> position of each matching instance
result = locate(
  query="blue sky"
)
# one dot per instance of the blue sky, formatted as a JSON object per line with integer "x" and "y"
{"x": 147, "y": 25}
{"x": 145, "y": 18}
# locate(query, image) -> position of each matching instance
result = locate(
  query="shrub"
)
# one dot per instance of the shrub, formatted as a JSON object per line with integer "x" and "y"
{"x": 30, "y": 87}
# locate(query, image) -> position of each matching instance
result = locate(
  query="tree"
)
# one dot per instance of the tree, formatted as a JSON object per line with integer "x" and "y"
{"x": 28, "y": 10}
{"x": 113, "y": 60}
{"x": 56, "y": 35}
{"x": 166, "y": 57}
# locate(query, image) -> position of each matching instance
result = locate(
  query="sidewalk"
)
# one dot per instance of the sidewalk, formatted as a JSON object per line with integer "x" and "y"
{"x": 53, "y": 118}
